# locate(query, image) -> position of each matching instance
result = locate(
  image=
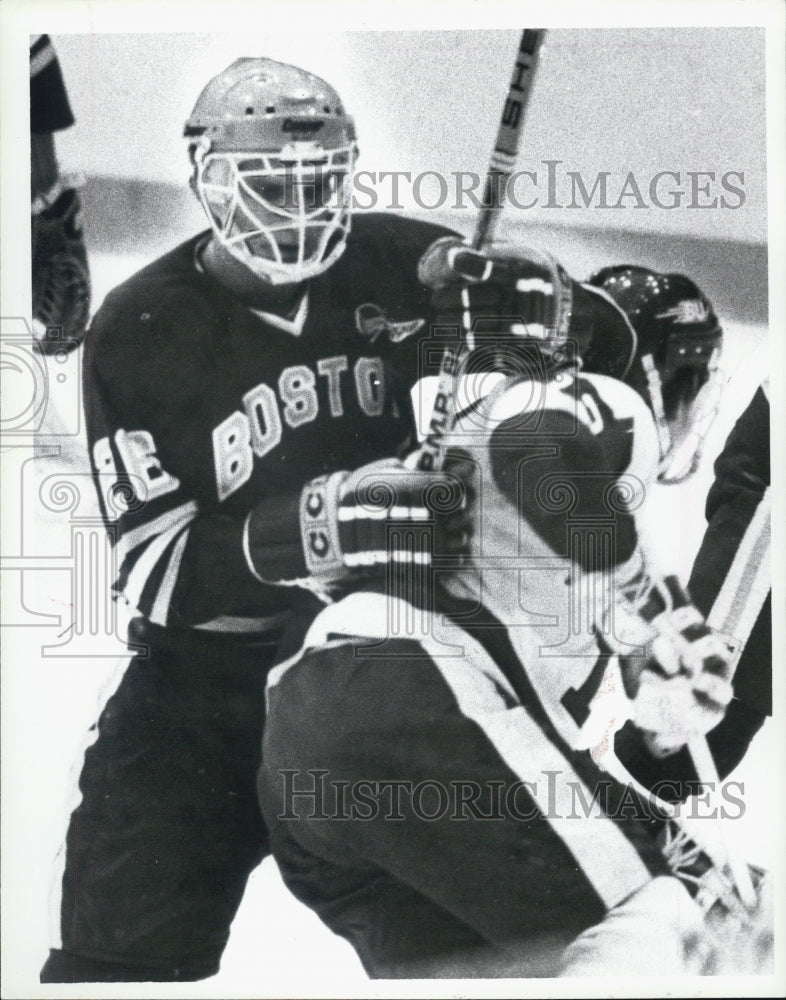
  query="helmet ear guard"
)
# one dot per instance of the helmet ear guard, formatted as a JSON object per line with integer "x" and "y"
{"x": 679, "y": 346}
{"x": 273, "y": 156}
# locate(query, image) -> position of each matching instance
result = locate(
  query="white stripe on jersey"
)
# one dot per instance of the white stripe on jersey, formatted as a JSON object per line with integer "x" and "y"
{"x": 239, "y": 625}
{"x": 41, "y": 59}
{"x": 534, "y": 285}
{"x": 177, "y": 517}
{"x": 748, "y": 580}
{"x": 362, "y": 513}
{"x": 594, "y": 839}
{"x": 160, "y": 609}
{"x": 378, "y": 557}
{"x": 145, "y": 565}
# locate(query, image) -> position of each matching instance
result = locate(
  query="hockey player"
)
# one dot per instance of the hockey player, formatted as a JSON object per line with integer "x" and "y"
{"x": 240, "y": 394}
{"x": 444, "y": 795}
{"x": 676, "y": 365}
{"x": 61, "y": 278}
{"x": 732, "y": 570}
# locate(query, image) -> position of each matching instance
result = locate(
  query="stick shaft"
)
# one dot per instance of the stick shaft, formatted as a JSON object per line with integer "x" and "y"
{"x": 503, "y": 159}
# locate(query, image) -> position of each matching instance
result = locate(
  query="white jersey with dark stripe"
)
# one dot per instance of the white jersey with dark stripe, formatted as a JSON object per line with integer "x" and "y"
{"x": 578, "y": 445}
{"x": 498, "y": 835}
{"x": 563, "y": 468}
{"x": 199, "y": 407}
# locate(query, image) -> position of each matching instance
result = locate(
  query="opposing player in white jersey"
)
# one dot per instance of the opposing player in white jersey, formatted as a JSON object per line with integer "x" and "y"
{"x": 440, "y": 778}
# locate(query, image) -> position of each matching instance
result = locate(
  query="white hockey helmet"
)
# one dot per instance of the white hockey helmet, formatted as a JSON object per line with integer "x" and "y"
{"x": 273, "y": 156}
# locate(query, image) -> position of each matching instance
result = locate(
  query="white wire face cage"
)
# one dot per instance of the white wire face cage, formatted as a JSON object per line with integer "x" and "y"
{"x": 285, "y": 215}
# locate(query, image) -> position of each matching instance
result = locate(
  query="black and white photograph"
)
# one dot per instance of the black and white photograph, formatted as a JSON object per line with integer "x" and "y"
{"x": 392, "y": 556}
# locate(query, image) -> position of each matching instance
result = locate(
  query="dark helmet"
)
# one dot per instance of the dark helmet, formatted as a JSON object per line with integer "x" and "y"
{"x": 676, "y": 366}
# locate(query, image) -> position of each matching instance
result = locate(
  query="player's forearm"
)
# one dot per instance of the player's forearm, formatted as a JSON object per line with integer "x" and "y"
{"x": 216, "y": 580}
{"x": 742, "y": 470}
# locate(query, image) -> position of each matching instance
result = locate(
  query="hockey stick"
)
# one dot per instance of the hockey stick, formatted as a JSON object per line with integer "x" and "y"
{"x": 503, "y": 159}
{"x": 733, "y": 616}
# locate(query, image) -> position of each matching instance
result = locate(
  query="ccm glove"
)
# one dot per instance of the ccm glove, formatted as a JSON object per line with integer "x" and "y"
{"x": 504, "y": 290}
{"x": 61, "y": 278}
{"x": 381, "y": 513}
{"x": 680, "y": 684}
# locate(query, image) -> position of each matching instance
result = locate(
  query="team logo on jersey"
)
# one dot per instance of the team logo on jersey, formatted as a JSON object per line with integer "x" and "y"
{"x": 687, "y": 311}
{"x": 371, "y": 320}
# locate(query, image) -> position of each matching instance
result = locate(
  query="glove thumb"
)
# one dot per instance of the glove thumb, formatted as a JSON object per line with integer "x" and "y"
{"x": 448, "y": 261}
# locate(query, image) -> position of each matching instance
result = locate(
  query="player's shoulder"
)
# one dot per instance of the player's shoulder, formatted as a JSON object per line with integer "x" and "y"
{"x": 166, "y": 276}
{"x": 562, "y": 394}
{"x": 620, "y": 398}
{"x": 344, "y": 631}
{"x": 164, "y": 301}
{"x": 631, "y": 415}
{"x": 392, "y": 237}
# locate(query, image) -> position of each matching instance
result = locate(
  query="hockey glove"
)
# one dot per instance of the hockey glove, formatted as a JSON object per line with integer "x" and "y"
{"x": 679, "y": 681}
{"x": 381, "y": 513}
{"x": 61, "y": 279}
{"x": 505, "y": 292}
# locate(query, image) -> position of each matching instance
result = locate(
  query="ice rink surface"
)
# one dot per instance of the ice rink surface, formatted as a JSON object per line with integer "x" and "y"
{"x": 277, "y": 946}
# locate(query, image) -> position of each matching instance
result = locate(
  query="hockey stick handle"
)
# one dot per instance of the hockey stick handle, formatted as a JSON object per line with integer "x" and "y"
{"x": 503, "y": 159}
{"x": 503, "y": 156}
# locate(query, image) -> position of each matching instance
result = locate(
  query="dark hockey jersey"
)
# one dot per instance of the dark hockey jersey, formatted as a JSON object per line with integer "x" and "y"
{"x": 199, "y": 408}
{"x": 742, "y": 476}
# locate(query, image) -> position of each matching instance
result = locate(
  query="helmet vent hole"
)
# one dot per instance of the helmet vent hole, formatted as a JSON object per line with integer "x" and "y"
{"x": 326, "y": 109}
{"x": 249, "y": 111}
{"x": 270, "y": 109}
